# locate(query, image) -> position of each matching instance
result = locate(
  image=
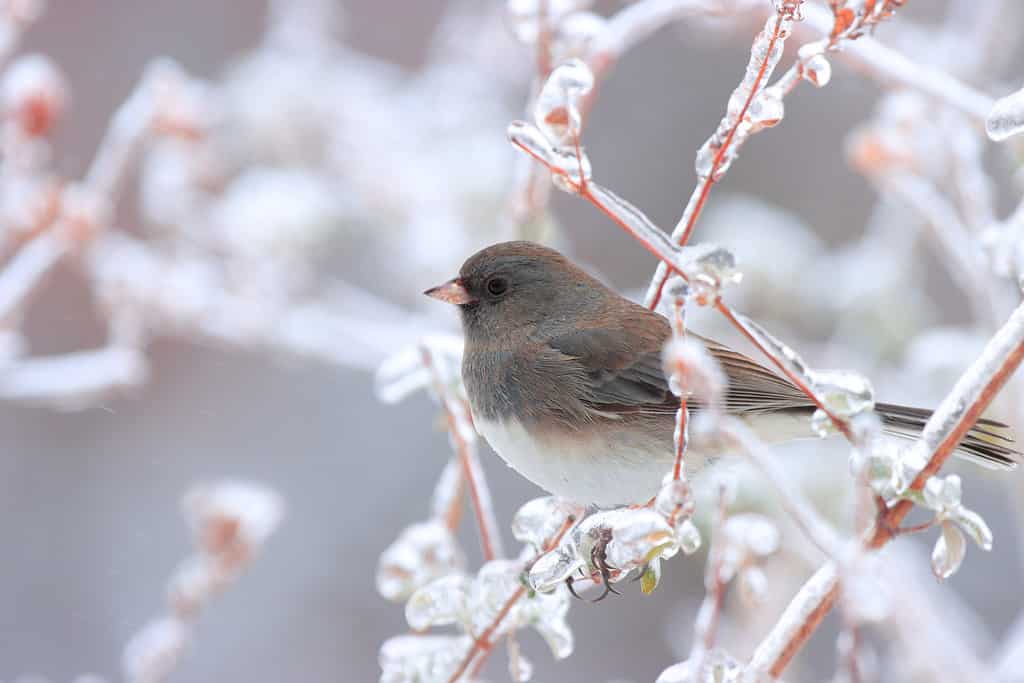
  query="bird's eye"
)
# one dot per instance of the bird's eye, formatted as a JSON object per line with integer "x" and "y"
{"x": 497, "y": 286}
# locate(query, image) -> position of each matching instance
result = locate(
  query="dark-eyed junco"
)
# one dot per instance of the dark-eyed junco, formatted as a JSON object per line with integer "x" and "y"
{"x": 565, "y": 380}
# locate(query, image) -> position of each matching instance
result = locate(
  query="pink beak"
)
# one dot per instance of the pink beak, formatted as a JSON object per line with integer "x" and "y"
{"x": 452, "y": 292}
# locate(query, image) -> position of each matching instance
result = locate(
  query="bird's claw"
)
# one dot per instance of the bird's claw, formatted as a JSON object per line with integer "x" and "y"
{"x": 600, "y": 560}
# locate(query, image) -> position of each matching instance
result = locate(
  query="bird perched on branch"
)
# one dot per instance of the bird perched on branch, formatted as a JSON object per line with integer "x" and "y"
{"x": 565, "y": 381}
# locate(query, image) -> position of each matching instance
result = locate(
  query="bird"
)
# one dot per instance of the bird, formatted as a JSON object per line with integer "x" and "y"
{"x": 564, "y": 380}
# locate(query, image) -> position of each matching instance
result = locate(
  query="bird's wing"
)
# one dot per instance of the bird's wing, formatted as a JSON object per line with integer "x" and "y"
{"x": 754, "y": 388}
{"x": 623, "y": 371}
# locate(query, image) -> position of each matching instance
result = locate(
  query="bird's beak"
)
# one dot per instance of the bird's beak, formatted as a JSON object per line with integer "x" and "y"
{"x": 452, "y": 292}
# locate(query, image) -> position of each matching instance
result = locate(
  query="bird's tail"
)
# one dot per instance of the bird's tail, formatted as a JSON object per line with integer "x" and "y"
{"x": 989, "y": 443}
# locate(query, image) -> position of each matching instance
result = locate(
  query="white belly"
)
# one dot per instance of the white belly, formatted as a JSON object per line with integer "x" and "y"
{"x": 585, "y": 470}
{"x": 612, "y": 469}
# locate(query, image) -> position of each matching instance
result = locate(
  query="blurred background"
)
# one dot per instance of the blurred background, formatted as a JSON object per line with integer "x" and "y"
{"x": 351, "y": 154}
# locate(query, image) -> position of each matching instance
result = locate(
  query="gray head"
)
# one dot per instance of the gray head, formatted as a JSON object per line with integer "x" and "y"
{"x": 511, "y": 285}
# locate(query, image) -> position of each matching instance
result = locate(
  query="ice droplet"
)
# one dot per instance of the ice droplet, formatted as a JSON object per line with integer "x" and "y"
{"x": 688, "y": 537}
{"x": 539, "y": 520}
{"x": 1006, "y": 118}
{"x": 557, "y": 110}
{"x": 674, "y": 493}
{"x": 821, "y": 424}
{"x": 440, "y": 602}
{"x": 712, "y": 269}
{"x": 949, "y": 551}
{"x": 704, "y": 164}
{"x": 814, "y": 66}
{"x": 694, "y": 371}
{"x": 554, "y": 567}
{"x": 766, "y": 110}
{"x": 846, "y": 394}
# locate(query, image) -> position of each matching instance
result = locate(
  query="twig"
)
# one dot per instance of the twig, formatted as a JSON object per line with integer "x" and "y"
{"x": 945, "y": 428}
{"x": 684, "y": 228}
{"x": 483, "y": 644}
{"x": 479, "y": 492}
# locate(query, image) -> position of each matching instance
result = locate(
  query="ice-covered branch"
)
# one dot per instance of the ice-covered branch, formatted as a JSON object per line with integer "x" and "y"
{"x": 230, "y": 522}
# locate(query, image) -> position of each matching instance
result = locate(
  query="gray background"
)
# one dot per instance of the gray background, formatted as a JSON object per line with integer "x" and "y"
{"x": 89, "y": 502}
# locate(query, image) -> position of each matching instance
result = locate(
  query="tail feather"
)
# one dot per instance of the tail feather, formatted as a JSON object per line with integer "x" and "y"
{"x": 988, "y": 443}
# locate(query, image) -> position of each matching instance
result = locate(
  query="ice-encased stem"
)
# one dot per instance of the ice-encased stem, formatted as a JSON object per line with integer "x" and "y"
{"x": 764, "y": 56}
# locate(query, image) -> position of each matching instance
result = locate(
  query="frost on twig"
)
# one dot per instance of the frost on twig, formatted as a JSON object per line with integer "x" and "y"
{"x": 230, "y": 522}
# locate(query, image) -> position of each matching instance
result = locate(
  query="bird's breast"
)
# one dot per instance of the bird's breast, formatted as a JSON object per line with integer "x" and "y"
{"x": 603, "y": 465}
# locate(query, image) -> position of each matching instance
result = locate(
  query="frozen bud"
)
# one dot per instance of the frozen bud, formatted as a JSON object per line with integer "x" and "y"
{"x": 84, "y": 213}
{"x": 232, "y": 516}
{"x": 423, "y": 552}
{"x": 422, "y": 659}
{"x": 35, "y": 94}
{"x": 767, "y": 109}
{"x": 845, "y": 394}
{"x": 557, "y": 111}
{"x": 943, "y": 493}
{"x": 949, "y": 551}
{"x": 692, "y": 371}
{"x": 569, "y": 171}
{"x": 814, "y": 66}
{"x": 1007, "y": 117}
{"x": 753, "y": 585}
{"x": 552, "y": 568}
{"x": 975, "y": 527}
{"x": 688, "y": 537}
{"x": 154, "y": 652}
{"x": 674, "y": 498}
{"x": 711, "y": 269}
{"x": 537, "y": 522}
{"x": 439, "y": 603}
{"x": 636, "y": 537}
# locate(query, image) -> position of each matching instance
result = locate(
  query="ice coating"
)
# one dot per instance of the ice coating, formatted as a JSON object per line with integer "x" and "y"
{"x": 538, "y": 520}
{"x": 556, "y": 112}
{"x": 1007, "y": 117}
{"x": 948, "y": 553}
{"x": 422, "y": 553}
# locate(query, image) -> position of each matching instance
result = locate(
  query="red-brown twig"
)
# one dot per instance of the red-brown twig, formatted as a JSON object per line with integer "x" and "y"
{"x": 483, "y": 644}
{"x": 944, "y": 430}
{"x": 490, "y": 539}
{"x": 700, "y": 194}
